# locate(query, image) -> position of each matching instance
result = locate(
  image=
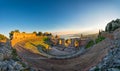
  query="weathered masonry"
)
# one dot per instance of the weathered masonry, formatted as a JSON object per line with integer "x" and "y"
{"x": 17, "y": 37}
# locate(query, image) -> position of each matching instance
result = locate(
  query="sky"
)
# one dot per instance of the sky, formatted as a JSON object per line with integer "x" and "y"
{"x": 66, "y": 16}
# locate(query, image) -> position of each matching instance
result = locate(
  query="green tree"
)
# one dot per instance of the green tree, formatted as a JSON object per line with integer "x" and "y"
{"x": 11, "y": 33}
{"x": 47, "y": 34}
{"x": 50, "y": 34}
{"x": 99, "y": 39}
{"x": 23, "y": 32}
{"x": 90, "y": 44}
{"x": 110, "y": 27}
{"x": 40, "y": 34}
{"x": 35, "y": 32}
{"x": 115, "y": 27}
{"x": 2, "y": 37}
{"x": 117, "y": 21}
{"x": 16, "y": 31}
{"x": 106, "y": 29}
{"x": 56, "y": 36}
{"x": 99, "y": 34}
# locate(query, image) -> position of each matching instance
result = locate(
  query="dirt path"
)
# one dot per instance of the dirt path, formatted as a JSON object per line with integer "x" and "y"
{"x": 81, "y": 63}
{"x": 55, "y": 51}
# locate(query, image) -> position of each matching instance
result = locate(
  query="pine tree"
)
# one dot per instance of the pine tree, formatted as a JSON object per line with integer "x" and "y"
{"x": 110, "y": 27}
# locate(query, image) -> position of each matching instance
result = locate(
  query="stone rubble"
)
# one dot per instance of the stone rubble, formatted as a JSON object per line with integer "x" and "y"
{"x": 7, "y": 63}
{"x": 112, "y": 61}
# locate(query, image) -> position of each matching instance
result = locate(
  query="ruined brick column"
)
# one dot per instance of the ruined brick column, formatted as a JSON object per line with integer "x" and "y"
{"x": 63, "y": 42}
{"x": 72, "y": 43}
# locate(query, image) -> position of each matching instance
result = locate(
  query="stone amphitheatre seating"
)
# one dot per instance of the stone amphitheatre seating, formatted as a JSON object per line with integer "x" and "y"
{"x": 82, "y": 62}
{"x": 79, "y": 63}
{"x": 21, "y": 44}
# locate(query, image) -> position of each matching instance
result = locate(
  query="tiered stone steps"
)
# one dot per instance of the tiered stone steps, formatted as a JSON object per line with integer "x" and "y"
{"x": 80, "y": 63}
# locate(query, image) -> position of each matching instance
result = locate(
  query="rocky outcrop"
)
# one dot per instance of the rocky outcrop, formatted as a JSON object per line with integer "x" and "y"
{"x": 116, "y": 34}
{"x": 6, "y": 61}
{"x": 5, "y": 53}
{"x": 10, "y": 65}
{"x": 111, "y": 61}
{"x": 9, "y": 61}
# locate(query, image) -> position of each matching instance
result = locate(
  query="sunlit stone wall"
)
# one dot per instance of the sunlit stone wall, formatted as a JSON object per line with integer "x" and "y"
{"x": 21, "y": 36}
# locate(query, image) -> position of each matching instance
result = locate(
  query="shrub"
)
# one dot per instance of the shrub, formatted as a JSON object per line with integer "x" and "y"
{"x": 97, "y": 69}
{"x": 99, "y": 39}
{"x": 45, "y": 39}
{"x": 11, "y": 33}
{"x": 90, "y": 43}
{"x": 110, "y": 27}
{"x": 14, "y": 53}
{"x": 2, "y": 37}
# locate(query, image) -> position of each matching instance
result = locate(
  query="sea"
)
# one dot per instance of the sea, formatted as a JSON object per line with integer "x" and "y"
{"x": 68, "y": 36}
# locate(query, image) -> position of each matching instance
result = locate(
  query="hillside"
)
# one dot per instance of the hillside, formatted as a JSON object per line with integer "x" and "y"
{"x": 9, "y": 60}
{"x": 3, "y": 38}
{"x": 111, "y": 61}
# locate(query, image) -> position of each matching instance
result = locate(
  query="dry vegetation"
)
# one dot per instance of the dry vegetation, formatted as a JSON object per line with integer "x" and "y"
{"x": 31, "y": 48}
{"x": 33, "y": 45}
{"x": 2, "y": 38}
